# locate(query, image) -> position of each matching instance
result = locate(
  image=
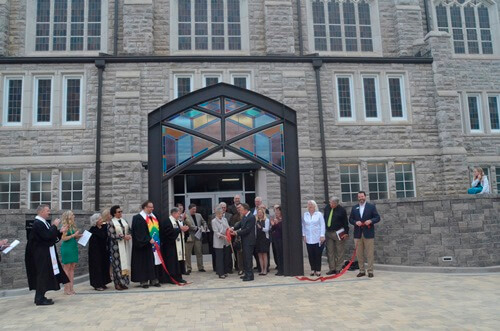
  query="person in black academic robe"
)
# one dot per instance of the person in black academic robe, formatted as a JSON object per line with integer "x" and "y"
{"x": 39, "y": 267}
{"x": 169, "y": 236}
{"x": 98, "y": 254}
{"x": 143, "y": 269}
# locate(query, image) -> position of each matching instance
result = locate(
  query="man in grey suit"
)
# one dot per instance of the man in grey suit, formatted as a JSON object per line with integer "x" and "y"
{"x": 195, "y": 222}
{"x": 246, "y": 230}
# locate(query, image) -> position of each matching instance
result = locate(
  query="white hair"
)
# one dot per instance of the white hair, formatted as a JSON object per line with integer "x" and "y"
{"x": 335, "y": 199}
{"x": 312, "y": 202}
{"x": 94, "y": 218}
{"x": 222, "y": 204}
{"x": 218, "y": 211}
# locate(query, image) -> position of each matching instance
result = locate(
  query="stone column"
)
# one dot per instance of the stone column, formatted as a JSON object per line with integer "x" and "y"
{"x": 138, "y": 27}
{"x": 448, "y": 114}
{"x": 409, "y": 26}
{"x": 279, "y": 27}
{"x": 4, "y": 26}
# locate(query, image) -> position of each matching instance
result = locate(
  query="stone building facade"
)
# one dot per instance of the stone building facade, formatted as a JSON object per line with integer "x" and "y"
{"x": 409, "y": 92}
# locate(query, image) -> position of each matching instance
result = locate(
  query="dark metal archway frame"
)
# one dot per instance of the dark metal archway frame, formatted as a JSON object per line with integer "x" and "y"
{"x": 289, "y": 179}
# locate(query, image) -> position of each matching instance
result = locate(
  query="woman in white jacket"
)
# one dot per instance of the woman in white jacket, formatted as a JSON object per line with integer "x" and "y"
{"x": 480, "y": 184}
{"x": 313, "y": 234}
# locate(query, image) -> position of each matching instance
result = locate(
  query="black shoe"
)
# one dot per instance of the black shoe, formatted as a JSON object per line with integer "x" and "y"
{"x": 49, "y": 300}
{"x": 230, "y": 272}
{"x": 278, "y": 274}
{"x": 331, "y": 272}
{"x": 188, "y": 272}
{"x": 182, "y": 281}
{"x": 145, "y": 286}
{"x": 202, "y": 270}
{"x": 243, "y": 277}
{"x": 361, "y": 274}
{"x": 256, "y": 268}
{"x": 247, "y": 279}
{"x": 240, "y": 273}
{"x": 370, "y": 274}
{"x": 222, "y": 277}
{"x": 157, "y": 285}
{"x": 44, "y": 302}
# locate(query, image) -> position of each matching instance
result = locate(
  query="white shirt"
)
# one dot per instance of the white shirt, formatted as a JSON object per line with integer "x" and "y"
{"x": 313, "y": 227}
{"x": 362, "y": 209}
{"x": 484, "y": 183}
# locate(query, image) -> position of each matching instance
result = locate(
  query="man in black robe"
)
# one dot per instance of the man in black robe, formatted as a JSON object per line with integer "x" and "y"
{"x": 143, "y": 268}
{"x": 172, "y": 246}
{"x": 44, "y": 271}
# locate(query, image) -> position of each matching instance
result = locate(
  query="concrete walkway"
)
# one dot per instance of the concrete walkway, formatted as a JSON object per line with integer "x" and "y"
{"x": 390, "y": 300}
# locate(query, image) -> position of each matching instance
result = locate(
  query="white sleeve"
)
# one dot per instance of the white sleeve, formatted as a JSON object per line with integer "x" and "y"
{"x": 486, "y": 185}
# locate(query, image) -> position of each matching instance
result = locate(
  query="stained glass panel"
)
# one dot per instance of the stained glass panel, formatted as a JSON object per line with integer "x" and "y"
{"x": 213, "y": 105}
{"x": 232, "y": 105}
{"x": 179, "y": 147}
{"x": 247, "y": 120}
{"x": 266, "y": 145}
{"x": 197, "y": 120}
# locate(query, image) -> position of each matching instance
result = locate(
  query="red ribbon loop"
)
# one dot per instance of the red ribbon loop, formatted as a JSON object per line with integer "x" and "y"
{"x": 165, "y": 267}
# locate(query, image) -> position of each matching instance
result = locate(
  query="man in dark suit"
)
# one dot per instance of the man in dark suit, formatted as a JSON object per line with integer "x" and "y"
{"x": 246, "y": 230}
{"x": 364, "y": 216}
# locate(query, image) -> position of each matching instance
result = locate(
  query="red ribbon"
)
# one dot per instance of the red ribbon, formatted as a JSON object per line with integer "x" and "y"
{"x": 343, "y": 271}
{"x": 165, "y": 267}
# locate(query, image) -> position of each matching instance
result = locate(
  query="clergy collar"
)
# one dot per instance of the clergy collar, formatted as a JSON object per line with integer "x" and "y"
{"x": 247, "y": 213}
{"x": 144, "y": 215}
{"x": 40, "y": 218}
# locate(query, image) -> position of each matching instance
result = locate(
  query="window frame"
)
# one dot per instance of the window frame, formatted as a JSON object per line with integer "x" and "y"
{"x": 36, "y": 79}
{"x": 402, "y": 90}
{"x": 353, "y": 107}
{"x": 5, "y": 116}
{"x": 183, "y": 75}
{"x": 375, "y": 31}
{"x": 31, "y": 9}
{"x": 360, "y": 182}
{"x": 10, "y": 192}
{"x": 497, "y": 97}
{"x": 210, "y": 75}
{"x": 247, "y": 75}
{"x": 64, "y": 104}
{"x": 378, "y": 118}
{"x": 378, "y": 182}
{"x": 480, "y": 112}
{"x": 412, "y": 164}
{"x": 72, "y": 190}
{"x": 244, "y": 31}
{"x": 30, "y": 202}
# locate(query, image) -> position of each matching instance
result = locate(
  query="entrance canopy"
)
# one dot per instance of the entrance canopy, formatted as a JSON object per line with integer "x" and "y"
{"x": 224, "y": 118}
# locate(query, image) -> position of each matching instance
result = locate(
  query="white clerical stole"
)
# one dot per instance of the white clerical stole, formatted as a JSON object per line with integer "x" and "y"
{"x": 52, "y": 250}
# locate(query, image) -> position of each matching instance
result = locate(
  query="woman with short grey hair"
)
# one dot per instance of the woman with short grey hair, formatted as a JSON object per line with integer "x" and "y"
{"x": 221, "y": 245}
{"x": 98, "y": 253}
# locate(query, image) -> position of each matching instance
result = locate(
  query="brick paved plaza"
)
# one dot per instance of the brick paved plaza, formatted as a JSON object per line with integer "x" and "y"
{"x": 391, "y": 300}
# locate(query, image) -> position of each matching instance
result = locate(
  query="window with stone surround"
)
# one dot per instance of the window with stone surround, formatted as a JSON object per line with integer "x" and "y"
{"x": 377, "y": 181}
{"x": 209, "y": 25}
{"x": 10, "y": 188}
{"x": 497, "y": 171}
{"x": 13, "y": 100}
{"x": 211, "y": 79}
{"x": 494, "y": 112}
{"x": 59, "y": 26}
{"x": 183, "y": 84}
{"x": 241, "y": 80}
{"x": 405, "y": 180}
{"x": 72, "y": 99}
{"x": 397, "y": 100}
{"x": 345, "y": 100}
{"x": 344, "y": 26}
{"x": 475, "y": 116}
{"x": 350, "y": 183}
{"x": 72, "y": 189}
{"x": 40, "y": 188}
{"x": 42, "y": 107}
{"x": 371, "y": 98}
{"x": 472, "y": 24}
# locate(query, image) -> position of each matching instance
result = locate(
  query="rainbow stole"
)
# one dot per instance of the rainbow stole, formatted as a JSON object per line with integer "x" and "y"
{"x": 154, "y": 229}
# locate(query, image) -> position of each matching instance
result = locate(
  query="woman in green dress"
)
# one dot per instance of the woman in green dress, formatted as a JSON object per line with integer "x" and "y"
{"x": 69, "y": 249}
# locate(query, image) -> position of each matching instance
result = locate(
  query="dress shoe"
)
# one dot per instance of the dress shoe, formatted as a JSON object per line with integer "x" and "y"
{"x": 361, "y": 274}
{"x": 188, "y": 272}
{"x": 331, "y": 272}
{"x": 240, "y": 273}
{"x": 49, "y": 300}
{"x": 145, "y": 286}
{"x": 157, "y": 285}
{"x": 370, "y": 274}
{"x": 247, "y": 279}
{"x": 182, "y": 281}
{"x": 222, "y": 277}
{"x": 44, "y": 302}
{"x": 242, "y": 277}
{"x": 202, "y": 270}
{"x": 278, "y": 274}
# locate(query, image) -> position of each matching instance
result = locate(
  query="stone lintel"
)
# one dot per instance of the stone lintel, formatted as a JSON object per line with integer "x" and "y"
{"x": 408, "y": 7}
{"x": 444, "y": 93}
{"x": 71, "y": 159}
{"x": 127, "y": 95}
{"x": 384, "y": 153}
{"x": 295, "y": 94}
{"x": 278, "y": 3}
{"x": 138, "y": 2}
{"x": 128, "y": 74}
{"x": 294, "y": 74}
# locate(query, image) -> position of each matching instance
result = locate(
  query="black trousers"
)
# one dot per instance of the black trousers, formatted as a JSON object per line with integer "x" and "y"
{"x": 247, "y": 260}
{"x": 222, "y": 257}
{"x": 314, "y": 252}
{"x": 278, "y": 256}
{"x": 228, "y": 260}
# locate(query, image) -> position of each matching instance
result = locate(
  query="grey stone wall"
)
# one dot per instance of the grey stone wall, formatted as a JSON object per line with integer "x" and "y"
{"x": 4, "y": 26}
{"x": 408, "y": 17}
{"x": 138, "y": 27}
{"x": 279, "y": 27}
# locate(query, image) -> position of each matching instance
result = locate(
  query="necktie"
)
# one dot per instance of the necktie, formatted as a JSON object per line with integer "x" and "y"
{"x": 330, "y": 218}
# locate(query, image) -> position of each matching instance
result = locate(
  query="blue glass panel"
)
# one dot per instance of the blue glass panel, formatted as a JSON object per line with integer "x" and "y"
{"x": 197, "y": 120}
{"x": 247, "y": 120}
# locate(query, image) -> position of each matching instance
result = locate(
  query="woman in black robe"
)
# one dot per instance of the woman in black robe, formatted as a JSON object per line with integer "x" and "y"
{"x": 98, "y": 254}
{"x": 170, "y": 236}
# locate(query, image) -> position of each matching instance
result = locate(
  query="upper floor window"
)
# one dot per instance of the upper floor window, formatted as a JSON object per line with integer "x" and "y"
{"x": 494, "y": 110}
{"x": 13, "y": 100}
{"x": 10, "y": 188}
{"x": 42, "y": 108}
{"x": 40, "y": 188}
{"x": 481, "y": 112}
{"x": 67, "y": 25}
{"x": 214, "y": 25}
{"x": 344, "y": 26}
{"x": 72, "y": 99}
{"x": 470, "y": 24}
{"x": 183, "y": 84}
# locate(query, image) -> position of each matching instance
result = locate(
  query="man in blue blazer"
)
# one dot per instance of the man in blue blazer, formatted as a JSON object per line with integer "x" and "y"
{"x": 364, "y": 215}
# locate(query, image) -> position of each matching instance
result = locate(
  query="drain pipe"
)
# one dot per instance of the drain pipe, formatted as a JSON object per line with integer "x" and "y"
{"x": 299, "y": 22}
{"x": 317, "y": 64}
{"x": 115, "y": 32}
{"x": 100, "y": 64}
{"x": 427, "y": 18}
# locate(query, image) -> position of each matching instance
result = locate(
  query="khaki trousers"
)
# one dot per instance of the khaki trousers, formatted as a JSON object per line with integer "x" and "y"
{"x": 366, "y": 249}
{"x": 196, "y": 244}
{"x": 335, "y": 251}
